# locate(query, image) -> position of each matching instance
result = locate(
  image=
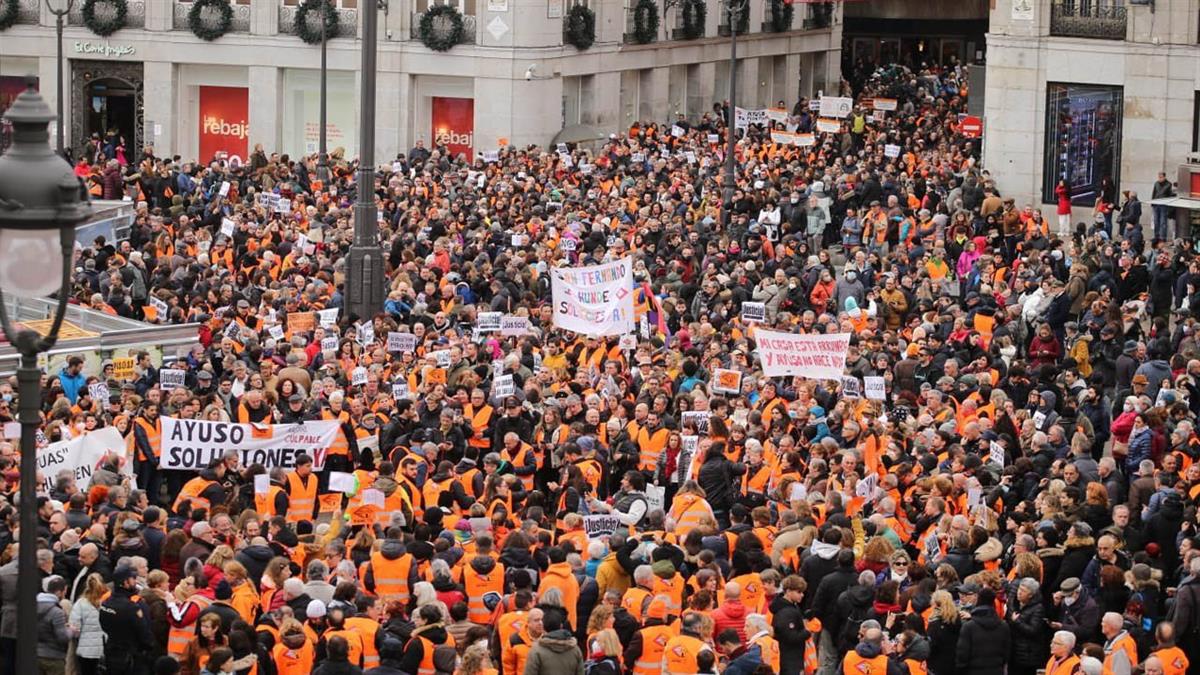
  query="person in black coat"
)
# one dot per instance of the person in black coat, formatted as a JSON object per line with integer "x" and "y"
{"x": 984, "y": 642}
{"x": 943, "y": 637}
{"x": 824, "y": 601}
{"x": 717, "y": 477}
{"x": 788, "y": 624}
{"x": 1078, "y": 551}
{"x": 1027, "y": 623}
{"x": 1162, "y": 529}
{"x": 822, "y": 561}
{"x": 126, "y": 625}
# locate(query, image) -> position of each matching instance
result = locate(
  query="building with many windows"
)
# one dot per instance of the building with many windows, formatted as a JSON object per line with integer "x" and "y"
{"x": 1084, "y": 90}
{"x": 510, "y": 78}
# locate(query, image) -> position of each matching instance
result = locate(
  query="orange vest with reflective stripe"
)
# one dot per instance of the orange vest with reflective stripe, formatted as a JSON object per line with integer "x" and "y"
{"x": 650, "y": 447}
{"x": 366, "y": 629}
{"x": 686, "y": 511}
{"x": 265, "y": 504}
{"x": 673, "y": 589}
{"x": 770, "y": 650}
{"x": 854, "y": 664}
{"x": 477, "y": 585}
{"x": 179, "y": 636}
{"x": 1124, "y": 643}
{"x": 916, "y": 667}
{"x": 353, "y": 638}
{"x": 302, "y": 497}
{"x": 1067, "y": 666}
{"x": 431, "y": 491}
{"x": 812, "y": 662}
{"x": 153, "y": 434}
{"x": 654, "y": 645}
{"x": 192, "y": 491}
{"x": 340, "y": 445}
{"x": 634, "y": 600}
{"x": 679, "y": 656}
{"x": 391, "y": 576}
{"x": 294, "y": 661}
{"x": 479, "y": 423}
{"x": 426, "y": 667}
{"x": 1174, "y": 661}
{"x": 752, "y": 589}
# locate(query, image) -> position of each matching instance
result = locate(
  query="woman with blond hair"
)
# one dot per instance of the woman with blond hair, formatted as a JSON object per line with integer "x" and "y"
{"x": 604, "y": 653}
{"x": 600, "y": 619}
{"x": 85, "y": 625}
{"x": 944, "y": 626}
{"x": 475, "y": 661}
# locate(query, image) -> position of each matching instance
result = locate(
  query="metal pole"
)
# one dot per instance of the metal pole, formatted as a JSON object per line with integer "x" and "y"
{"x": 29, "y": 384}
{"x": 364, "y": 278}
{"x": 58, "y": 127}
{"x": 731, "y": 151}
{"x": 323, "y": 156}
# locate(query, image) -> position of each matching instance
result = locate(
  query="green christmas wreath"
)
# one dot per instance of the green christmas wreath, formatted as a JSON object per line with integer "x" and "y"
{"x": 645, "y": 22}
{"x": 781, "y": 15}
{"x": 207, "y": 31}
{"x": 694, "y": 14}
{"x": 441, "y": 28}
{"x": 107, "y": 26}
{"x": 8, "y": 13}
{"x": 306, "y": 31}
{"x": 581, "y": 27}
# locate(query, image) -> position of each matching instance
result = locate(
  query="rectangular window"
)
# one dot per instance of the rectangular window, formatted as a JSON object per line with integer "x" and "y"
{"x": 1083, "y": 140}
{"x": 1196, "y": 123}
{"x": 587, "y": 99}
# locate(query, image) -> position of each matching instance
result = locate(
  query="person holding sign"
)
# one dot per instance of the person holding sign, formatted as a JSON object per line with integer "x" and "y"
{"x": 629, "y": 504}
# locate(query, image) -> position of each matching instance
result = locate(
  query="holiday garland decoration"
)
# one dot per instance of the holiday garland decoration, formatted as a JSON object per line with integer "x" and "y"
{"x": 306, "y": 31}
{"x": 441, "y": 28}
{"x": 8, "y": 13}
{"x": 581, "y": 27}
{"x": 645, "y": 22}
{"x": 694, "y": 14}
{"x": 207, "y": 31}
{"x": 781, "y": 15}
{"x": 107, "y": 26}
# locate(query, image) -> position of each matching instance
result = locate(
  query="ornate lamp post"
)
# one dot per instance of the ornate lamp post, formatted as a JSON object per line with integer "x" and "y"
{"x": 60, "y": 9}
{"x": 364, "y": 268}
{"x": 41, "y": 202}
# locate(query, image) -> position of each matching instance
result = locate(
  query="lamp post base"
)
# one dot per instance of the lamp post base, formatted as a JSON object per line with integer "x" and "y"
{"x": 365, "y": 282}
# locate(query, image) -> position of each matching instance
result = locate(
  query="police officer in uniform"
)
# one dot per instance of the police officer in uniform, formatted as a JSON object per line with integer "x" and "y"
{"x": 126, "y": 624}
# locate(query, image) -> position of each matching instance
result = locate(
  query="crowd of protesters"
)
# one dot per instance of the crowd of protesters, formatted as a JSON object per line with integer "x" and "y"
{"x": 1022, "y": 499}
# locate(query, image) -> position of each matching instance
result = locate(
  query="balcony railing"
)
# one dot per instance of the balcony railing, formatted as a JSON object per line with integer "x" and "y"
{"x": 135, "y": 14}
{"x": 1088, "y": 19}
{"x": 468, "y": 31}
{"x": 347, "y": 21}
{"x": 240, "y": 23}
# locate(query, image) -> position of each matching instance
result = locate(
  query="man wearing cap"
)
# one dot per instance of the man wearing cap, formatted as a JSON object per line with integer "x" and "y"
{"x": 126, "y": 624}
{"x": 1074, "y": 610}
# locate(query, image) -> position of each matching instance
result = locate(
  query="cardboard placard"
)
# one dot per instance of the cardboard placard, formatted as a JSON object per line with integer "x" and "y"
{"x": 328, "y": 317}
{"x": 262, "y": 484}
{"x": 301, "y": 322}
{"x": 99, "y": 392}
{"x": 329, "y": 344}
{"x": 489, "y": 321}
{"x": 851, "y": 387}
{"x": 364, "y": 333}
{"x": 600, "y": 525}
{"x": 727, "y": 381}
{"x": 123, "y": 368}
{"x": 874, "y": 388}
{"x": 401, "y": 342}
{"x": 754, "y": 311}
{"x": 504, "y": 386}
{"x": 358, "y": 376}
{"x": 171, "y": 378}
{"x": 697, "y": 418}
{"x": 227, "y": 227}
{"x": 340, "y": 481}
{"x": 514, "y": 326}
{"x": 443, "y": 358}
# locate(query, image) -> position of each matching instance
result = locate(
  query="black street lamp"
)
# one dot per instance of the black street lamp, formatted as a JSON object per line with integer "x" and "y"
{"x": 364, "y": 267}
{"x": 323, "y": 155}
{"x": 735, "y": 9}
{"x": 60, "y": 12}
{"x": 41, "y": 202}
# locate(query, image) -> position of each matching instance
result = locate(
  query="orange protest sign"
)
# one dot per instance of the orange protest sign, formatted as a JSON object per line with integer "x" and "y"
{"x": 329, "y": 503}
{"x": 262, "y": 431}
{"x": 435, "y": 376}
{"x": 301, "y": 322}
{"x": 727, "y": 381}
{"x": 364, "y": 514}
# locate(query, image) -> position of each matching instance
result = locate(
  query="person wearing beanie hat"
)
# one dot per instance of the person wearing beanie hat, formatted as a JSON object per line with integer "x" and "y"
{"x": 222, "y": 607}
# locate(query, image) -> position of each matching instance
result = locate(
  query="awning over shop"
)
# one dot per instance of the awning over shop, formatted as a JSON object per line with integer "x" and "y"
{"x": 578, "y": 133}
{"x": 1177, "y": 203}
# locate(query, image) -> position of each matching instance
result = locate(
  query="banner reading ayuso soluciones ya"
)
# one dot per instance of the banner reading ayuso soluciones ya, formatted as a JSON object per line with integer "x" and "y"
{"x": 192, "y": 444}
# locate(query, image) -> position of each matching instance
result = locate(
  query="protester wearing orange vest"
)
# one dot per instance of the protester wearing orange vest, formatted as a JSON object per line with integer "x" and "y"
{"x": 688, "y": 509}
{"x": 867, "y": 657}
{"x": 203, "y": 491}
{"x": 294, "y": 655}
{"x": 366, "y": 624}
{"x": 483, "y": 580}
{"x": 275, "y": 501}
{"x": 1120, "y": 649}
{"x": 560, "y": 576}
{"x": 302, "y": 491}
{"x": 147, "y": 446}
{"x": 1062, "y": 656}
{"x": 680, "y": 652}
{"x": 645, "y": 651}
{"x": 391, "y": 573}
{"x": 515, "y": 653}
{"x": 481, "y": 416}
{"x": 1172, "y": 659}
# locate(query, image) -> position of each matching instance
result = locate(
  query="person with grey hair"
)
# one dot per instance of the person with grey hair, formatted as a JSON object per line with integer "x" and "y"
{"x": 54, "y": 637}
{"x": 1063, "y": 660}
{"x": 317, "y": 585}
{"x": 1120, "y": 649}
{"x": 1027, "y": 622}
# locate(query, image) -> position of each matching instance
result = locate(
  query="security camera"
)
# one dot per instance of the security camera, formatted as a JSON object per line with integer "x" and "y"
{"x": 529, "y": 71}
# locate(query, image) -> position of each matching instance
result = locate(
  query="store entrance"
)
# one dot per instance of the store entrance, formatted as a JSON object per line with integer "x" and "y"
{"x": 112, "y": 114}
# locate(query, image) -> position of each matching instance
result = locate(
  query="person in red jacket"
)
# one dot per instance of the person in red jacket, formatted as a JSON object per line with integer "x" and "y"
{"x": 732, "y": 613}
{"x": 1045, "y": 348}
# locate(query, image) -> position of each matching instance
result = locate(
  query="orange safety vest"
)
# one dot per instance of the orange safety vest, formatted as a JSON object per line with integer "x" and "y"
{"x": 521, "y": 458}
{"x": 340, "y": 445}
{"x": 769, "y": 647}
{"x": 432, "y": 491}
{"x": 153, "y": 434}
{"x": 1174, "y": 661}
{"x": 245, "y": 601}
{"x": 178, "y": 637}
{"x": 192, "y": 491}
{"x": 916, "y": 667}
{"x": 265, "y": 504}
{"x": 301, "y": 497}
{"x": 294, "y": 661}
{"x": 679, "y": 656}
{"x": 812, "y": 662}
{"x": 353, "y": 638}
{"x": 392, "y": 503}
{"x": 1124, "y": 643}
{"x": 654, "y": 645}
{"x": 686, "y": 511}
{"x": 752, "y": 589}
{"x": 634, "y": 600}
{"x": 1067, "y": 666}
{"x": 426, "y": 667}
{"x": 854, "y": 664}
{"x": 650, "y": 447}
{"x": 478, "y": 585}
{"x": 673, "y": 589}
{"x": 391, "y": 576}
{"x": 479, "y": 423}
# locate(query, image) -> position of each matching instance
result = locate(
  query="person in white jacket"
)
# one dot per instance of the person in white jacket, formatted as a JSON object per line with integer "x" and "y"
{"x": 84, "y": 623}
